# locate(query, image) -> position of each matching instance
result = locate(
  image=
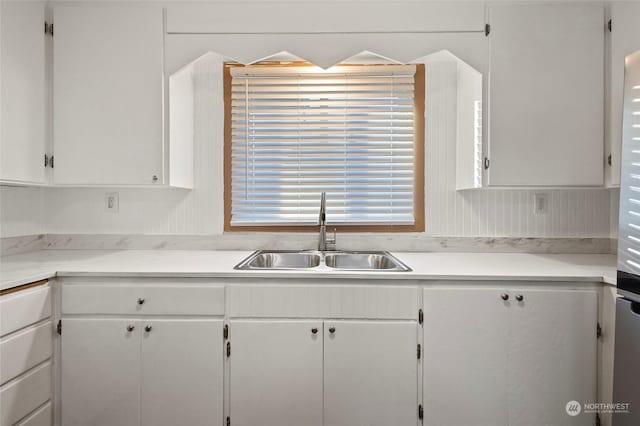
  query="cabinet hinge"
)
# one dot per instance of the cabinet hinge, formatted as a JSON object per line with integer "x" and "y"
{"x": 486, "y": 163}
{"x": 48, "y": 28}
{"x": 487, "y": 29}
{"x": 419, "y": 350}
{"x": 598, "y": 331}
{"x": 225, "y": 332}
{"x": 420, "y": 316}
{"x": 228, "y": 349}
{"x": 609, "y": 160}
{"x": 420, "y": 412}
{"x": 228, "y": 421}
{"x": 610, "y": 25}
{"x": 59, "y": 327}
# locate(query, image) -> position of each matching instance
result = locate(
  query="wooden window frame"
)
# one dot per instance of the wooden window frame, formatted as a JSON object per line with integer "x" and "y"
{"x": 418, "y": 167}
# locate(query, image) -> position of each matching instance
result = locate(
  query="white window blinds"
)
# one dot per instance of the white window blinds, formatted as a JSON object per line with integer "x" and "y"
{"x": 297, "y": 131}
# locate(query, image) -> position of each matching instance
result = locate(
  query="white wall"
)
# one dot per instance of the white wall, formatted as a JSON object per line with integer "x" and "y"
{"x": 487, "y": 213}
{"x": 22, "y": 211}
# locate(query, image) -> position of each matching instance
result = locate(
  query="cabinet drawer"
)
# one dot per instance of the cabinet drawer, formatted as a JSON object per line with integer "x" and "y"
{"x": 324, "y": 301}
{"x": 18, "y": 310}
{"x": 20, "y": 397}
{"x": 24, "y": 350}
{"x": 124, "y": 299}
{"x": 41, "y": 417}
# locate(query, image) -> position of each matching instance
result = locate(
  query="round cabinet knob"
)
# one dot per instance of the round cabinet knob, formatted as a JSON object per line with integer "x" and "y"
{"x": 332, "y": 330}
{"x": 141, "y": 301}
{"x": 148, "y": 328}
{"x": 154, "y": 178}
{"x": 314, "y": 330}
{"x": 504, "y": 296}
{"x": 519, "y": 298}
{"x": 130, "y": 328}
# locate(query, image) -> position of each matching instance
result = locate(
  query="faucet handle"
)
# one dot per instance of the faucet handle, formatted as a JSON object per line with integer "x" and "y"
{"x": 334, "y": 239}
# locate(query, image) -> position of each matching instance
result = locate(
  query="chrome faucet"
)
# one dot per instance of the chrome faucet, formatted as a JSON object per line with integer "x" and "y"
{"x": 322, "y": 221}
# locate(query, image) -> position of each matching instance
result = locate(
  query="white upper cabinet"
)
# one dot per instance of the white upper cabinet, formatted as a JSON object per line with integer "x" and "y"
{"x": 546, "y": 115}
{"x": 108, "y": 94}
{"x": 624, "y": 39}
{"x": 24, "y": 98}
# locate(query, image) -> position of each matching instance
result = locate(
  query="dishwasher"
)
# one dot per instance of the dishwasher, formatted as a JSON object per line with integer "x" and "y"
{"x": 626, "y": 381}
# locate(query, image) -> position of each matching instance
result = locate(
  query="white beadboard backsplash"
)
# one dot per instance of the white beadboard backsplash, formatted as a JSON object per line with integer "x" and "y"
{"x": 573, "y": 213}
{"x": 22, "y": 211}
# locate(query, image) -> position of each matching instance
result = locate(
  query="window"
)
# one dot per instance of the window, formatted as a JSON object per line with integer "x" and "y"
{"x": 293, "y": 131}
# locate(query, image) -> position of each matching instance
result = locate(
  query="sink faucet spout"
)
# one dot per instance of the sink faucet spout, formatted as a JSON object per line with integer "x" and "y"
{"x": 322, "y": 221}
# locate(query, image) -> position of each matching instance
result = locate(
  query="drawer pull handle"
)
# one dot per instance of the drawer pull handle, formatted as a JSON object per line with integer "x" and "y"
{"x": 130, "y": 328}
{"x": 141, "y": 301}
{"x": 148, "y": 328}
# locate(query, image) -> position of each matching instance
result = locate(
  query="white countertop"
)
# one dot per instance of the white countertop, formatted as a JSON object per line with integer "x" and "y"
{"x": 25, "y": 268}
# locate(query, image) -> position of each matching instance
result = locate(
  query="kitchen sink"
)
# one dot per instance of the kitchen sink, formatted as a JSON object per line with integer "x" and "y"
{"x": 280, "y": 260}
{"x": 319, "y": 260}
{"x": 368, "y": 261}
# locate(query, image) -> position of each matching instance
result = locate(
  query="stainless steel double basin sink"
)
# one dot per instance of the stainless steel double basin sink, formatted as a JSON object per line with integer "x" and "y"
{"x": 328, "y": 260}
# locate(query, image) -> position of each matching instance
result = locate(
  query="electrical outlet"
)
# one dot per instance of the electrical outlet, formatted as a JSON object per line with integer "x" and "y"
{"x": 111, "y": 202}
{"x": 540, "y": 203}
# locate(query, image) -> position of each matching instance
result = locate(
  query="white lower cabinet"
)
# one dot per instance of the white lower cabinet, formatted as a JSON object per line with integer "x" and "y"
{"x": 516, "y": 357}
{"x": 141, "y": 372}
{"x": 313, "y": 373}
{"x": 100, "y": 372}
{"x": 370, "y": 373}
{"x": 182, "y": 372}
{"x": 483, "y": 356}
{"x": 276, "y": 373}
{"x": 465, "y": 357}
{"x": 551, "y": 356}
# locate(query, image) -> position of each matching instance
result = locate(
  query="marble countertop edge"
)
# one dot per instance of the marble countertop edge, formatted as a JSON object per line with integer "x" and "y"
{"x": 16, "y": 270}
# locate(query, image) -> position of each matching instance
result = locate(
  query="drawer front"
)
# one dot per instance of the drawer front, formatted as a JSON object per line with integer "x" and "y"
{"x": 18, "y": 310}
{"x": 41, "y": 417}
{"x": 156, "y": 300}
{"x": 21, "y": 396}
{"x": 23, "y": 350}
{"x": 324, "y": 301}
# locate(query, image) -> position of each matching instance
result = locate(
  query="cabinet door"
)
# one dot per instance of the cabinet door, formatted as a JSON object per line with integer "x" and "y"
{"x": 370, "y": 373}
{"x": 108, "y": 94}
{"x": 24, "y": 94}
{"x": 182, "y": 379}
{"x": 465, "y": 357}
{"x": 546, "y": 112}
{"x": 551, "y": 356}
{"x": 276, "y": 373}
{"x": 100, "y": 372}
